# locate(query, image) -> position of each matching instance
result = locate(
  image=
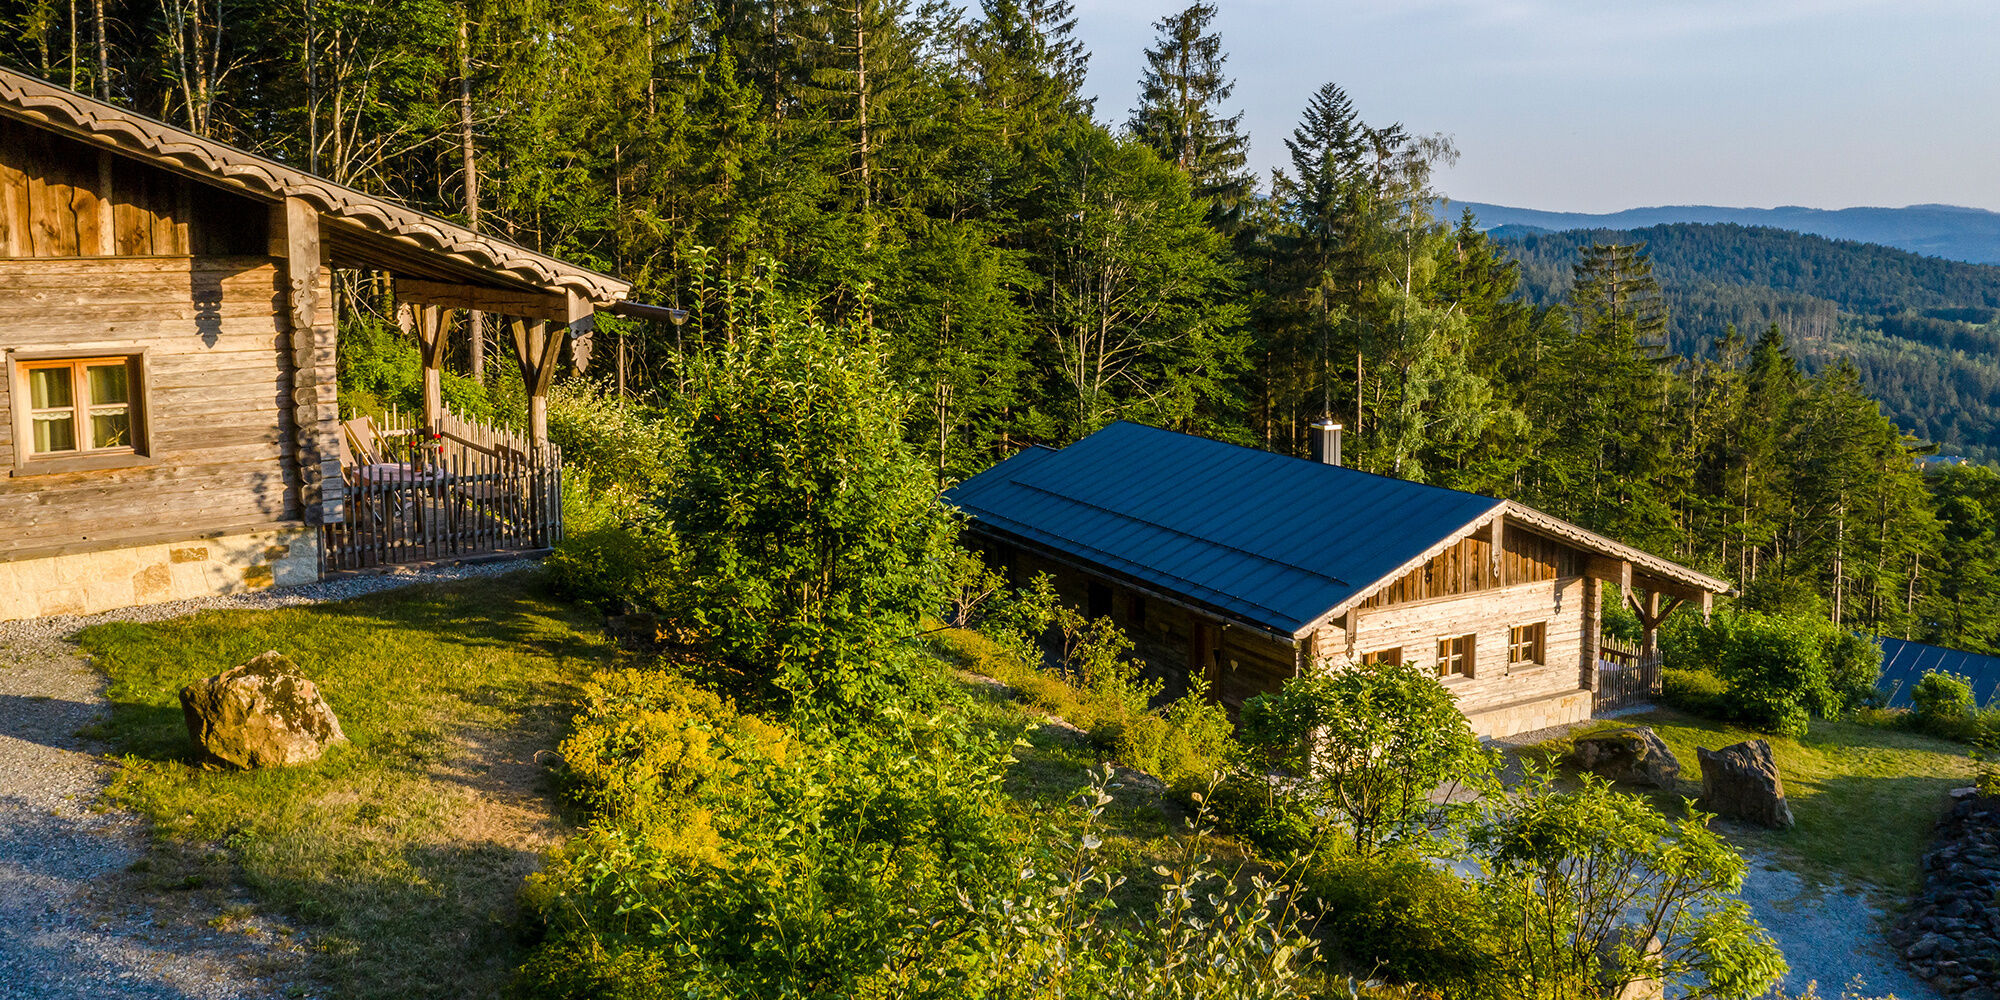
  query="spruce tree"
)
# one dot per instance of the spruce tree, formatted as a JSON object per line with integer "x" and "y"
{"x": 1178, "y": 113}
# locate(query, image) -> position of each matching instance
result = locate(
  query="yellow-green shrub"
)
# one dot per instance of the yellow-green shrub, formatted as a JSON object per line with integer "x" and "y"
{"x": 649, "y": 747}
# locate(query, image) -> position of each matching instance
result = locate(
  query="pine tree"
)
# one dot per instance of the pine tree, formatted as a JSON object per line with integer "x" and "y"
{"x": 1178, "y": 117}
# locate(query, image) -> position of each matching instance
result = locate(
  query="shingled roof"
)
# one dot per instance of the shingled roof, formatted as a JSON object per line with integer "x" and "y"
{"x": 1278, "y": 542}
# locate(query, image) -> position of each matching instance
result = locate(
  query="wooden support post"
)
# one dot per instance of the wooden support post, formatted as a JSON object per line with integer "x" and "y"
{"x": 1593, "y": 628}
{"x": 432, "y": 324}
{"x": 311, "y": 347}
{"x": 537, "y": 348}
{"x": 1498, "y": 531}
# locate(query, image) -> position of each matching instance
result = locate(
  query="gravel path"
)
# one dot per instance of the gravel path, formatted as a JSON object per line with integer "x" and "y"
{"x": 1828, "y": 934}
{"x": 73, "y": 922}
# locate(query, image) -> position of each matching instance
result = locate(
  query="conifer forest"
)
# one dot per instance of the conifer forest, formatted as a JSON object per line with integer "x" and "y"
{"x": 1035, "y": 264}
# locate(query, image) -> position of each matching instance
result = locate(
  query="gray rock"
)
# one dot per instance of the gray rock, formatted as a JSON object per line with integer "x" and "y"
{"x": 1634, "y": 756}
{"x": 262, "y": 713}
{"x": 1741, "y": 782}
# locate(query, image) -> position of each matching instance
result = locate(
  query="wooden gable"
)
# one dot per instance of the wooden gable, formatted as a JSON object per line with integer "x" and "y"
{"x": 63, "y": 198}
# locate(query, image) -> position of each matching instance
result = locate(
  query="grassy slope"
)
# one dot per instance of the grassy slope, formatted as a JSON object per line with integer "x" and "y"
{"x": 391, "y": 850}
{"x": 1864, "y": 797}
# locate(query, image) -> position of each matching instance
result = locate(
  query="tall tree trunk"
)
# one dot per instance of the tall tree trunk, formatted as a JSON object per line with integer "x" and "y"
{"x": 103, "y": 51}
{"x": 475, "y": 321}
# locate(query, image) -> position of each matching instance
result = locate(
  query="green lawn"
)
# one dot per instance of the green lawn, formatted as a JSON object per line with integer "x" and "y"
{"x": 1864, "y": 797}
{"x": 399, "y": 854}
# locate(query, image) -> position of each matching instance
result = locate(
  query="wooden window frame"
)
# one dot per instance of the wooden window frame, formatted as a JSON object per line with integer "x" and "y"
{"x": 1466, "y": 656}
{"x": 1530, "y": 638}
{"x": 1392, "y": 654}
{"x": 139, "y": 404}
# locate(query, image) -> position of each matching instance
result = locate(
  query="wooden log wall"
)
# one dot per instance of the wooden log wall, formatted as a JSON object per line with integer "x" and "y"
{"x": 61, "y": 198}
{"x": 1490, "y": 615}
{"x": 217, "y": 390}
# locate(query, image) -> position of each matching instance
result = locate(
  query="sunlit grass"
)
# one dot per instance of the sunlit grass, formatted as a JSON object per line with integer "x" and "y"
{"x": 382, "y": 850}
{"x": 1865, "y": 797}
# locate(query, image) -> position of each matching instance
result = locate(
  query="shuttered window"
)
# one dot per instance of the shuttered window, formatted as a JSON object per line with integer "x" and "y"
{"x": 1393, "y": 654}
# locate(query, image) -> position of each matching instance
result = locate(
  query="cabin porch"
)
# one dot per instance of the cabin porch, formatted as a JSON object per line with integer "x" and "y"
{"x": 446, "y": 488}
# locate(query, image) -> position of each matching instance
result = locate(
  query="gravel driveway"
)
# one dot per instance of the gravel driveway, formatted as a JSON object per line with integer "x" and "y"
{"x": 73, "y": 922}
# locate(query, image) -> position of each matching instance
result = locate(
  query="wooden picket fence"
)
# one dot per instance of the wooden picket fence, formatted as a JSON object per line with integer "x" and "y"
{"x": 468, "y": 490}
{"x": 1626, "y": 676}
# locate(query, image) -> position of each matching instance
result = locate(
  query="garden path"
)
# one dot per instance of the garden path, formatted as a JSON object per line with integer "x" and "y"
{"x": 75, "y": 919}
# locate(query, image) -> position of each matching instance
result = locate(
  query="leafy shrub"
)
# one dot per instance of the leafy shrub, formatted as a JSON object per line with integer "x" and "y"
{"x": 1399, "y": 916}
{"x": 1575, "y": 875}
{"x": 1186, "y": 745}
{"x": 1779, "y": 670}
{"x": 610, "y": 554}
{"x": 1368, "y": 744}
{"x": 1942, "y": 703}
{"x": 1248, "y": 806}
{"x": 1696, "y": 692}
{"x": 811, "y": 541}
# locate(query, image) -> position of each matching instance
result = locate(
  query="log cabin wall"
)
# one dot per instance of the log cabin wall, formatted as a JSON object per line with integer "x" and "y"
{"x": 1490, "y": 615}
{"x": 109, "y": 257}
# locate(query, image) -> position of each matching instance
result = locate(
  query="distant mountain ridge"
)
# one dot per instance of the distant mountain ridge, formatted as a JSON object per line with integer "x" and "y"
{"x": 1949, "y": 231}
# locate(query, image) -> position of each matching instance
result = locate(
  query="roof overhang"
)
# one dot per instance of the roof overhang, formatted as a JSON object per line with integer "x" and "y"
{"x": 358, "y": 229}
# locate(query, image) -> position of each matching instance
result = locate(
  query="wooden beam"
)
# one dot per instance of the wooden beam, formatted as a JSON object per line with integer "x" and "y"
{"x": 1618, "y": 571}
{"x": 526, "y": 305}
{"x": 432, "y": 330}
{"x": 1498, "y": 530}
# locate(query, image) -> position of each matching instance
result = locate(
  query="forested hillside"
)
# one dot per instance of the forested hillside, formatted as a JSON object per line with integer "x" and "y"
{"x": 1921, "y": 330}
{"x": 1949, "y": 231}
{"x": 932, "y": 182}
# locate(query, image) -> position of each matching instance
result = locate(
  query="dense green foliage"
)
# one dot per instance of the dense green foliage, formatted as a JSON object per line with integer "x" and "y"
{"x": 1367, "y": 746}
{"x": 1770, "y": 671}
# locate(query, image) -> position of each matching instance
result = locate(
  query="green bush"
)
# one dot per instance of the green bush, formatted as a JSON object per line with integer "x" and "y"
{"x": 1368, "y": 747}
{"x": 1279, "y": 826}
{"x": 1186, "y": 745}
{"x": 1778, "y": 670}
{"x": 1401, "y": 917}
{"x": 1696, "y": 692}
{"x": 1941, "y": 703}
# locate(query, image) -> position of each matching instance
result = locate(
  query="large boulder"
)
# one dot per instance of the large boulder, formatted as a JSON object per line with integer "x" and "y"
{"x": 1741, "y": 782}
{"x": 262, "y": 713}
{"x": 1635, "y": 756}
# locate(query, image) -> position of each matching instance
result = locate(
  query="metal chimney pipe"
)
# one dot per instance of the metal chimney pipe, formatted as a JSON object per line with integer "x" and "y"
{"x": 1326, "y": 441}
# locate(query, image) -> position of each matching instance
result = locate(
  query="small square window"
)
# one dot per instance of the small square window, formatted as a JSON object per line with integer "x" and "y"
{"x": 1455, "y": 656}
{"x": 1393, "y": 654}
{"x": 1526, "y": 644}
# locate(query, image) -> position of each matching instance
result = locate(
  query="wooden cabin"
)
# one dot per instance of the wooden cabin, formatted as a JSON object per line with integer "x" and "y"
{"x": 168, "y": 420}
{"x": 1243, "y": 568}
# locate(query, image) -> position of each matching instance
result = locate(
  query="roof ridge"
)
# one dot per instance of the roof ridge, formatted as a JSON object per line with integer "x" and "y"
{"x": 1267, "y": 453}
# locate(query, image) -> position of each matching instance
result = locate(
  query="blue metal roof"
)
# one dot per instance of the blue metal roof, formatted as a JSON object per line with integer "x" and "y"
{"x": 1271, "y": 540}
{"x": 1904, "y": 663}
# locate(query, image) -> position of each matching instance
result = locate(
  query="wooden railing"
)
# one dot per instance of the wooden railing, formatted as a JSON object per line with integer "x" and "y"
{"x": 1626, "y": 676}
{"x": 468, "y": 490}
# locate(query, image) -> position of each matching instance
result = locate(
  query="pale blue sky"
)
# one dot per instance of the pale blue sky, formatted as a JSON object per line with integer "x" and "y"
{"x": 1599, "y": 105}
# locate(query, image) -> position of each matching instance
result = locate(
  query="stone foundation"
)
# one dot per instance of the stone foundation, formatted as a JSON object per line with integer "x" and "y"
{"x": 1528, "y": 716}
{"x": 89, "y": 582}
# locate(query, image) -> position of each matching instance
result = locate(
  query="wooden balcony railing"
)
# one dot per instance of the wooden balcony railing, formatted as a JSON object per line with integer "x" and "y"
{"x": 467, "y": 489}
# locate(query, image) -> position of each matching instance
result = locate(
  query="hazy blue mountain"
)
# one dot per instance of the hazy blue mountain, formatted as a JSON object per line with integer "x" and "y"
{"x": 1949, "y": 231}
